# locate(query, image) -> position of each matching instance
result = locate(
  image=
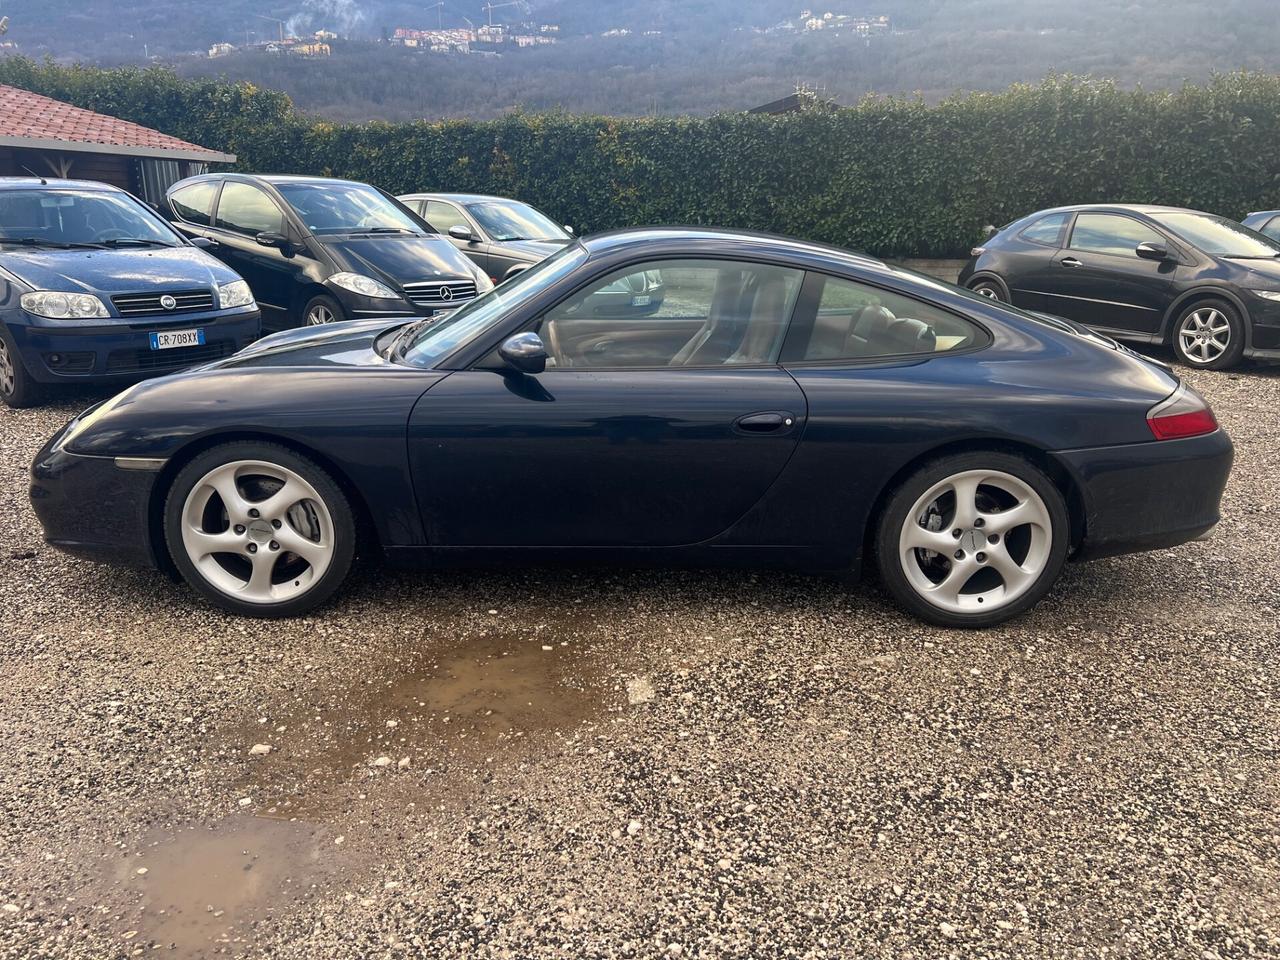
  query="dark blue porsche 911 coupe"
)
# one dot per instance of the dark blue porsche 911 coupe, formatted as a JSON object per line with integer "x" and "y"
{"x": 789, "y": 404}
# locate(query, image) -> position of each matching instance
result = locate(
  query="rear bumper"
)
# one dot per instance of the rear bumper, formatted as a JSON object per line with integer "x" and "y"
{"x": 92, "y": 507}
{"x": 121, "y": 352}
{"x": 1149, "y": 496}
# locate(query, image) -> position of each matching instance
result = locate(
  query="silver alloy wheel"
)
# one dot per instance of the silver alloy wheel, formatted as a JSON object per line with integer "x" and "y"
{"x": 975, "y": 541}
{"x": 257, "y": 531}
{"x": 319, "y": 315}
{"x": 8, "y": 376}
{"x": 987, "y": 290}
{"x": 1204, "y": 335}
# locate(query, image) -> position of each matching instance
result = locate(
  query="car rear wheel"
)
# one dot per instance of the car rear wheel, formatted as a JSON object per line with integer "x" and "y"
{"x": 1209, "y": 334}
{"x": 259, "y": 529}
{"x": 321, "y": 310}
{"x": 991, "y": 289}
{"x": 972, "y": 540}
{"x": 17, "y": 389}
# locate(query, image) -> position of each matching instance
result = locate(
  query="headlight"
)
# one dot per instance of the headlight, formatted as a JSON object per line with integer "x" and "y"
{"x": 235, "y": 294}
{"x": 365, "y": 286}
{"x": 1267, "y": 294}
{"x": 63, "y": 306}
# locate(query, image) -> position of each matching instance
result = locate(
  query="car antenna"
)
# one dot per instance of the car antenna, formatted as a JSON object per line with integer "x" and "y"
{"x": 43, "y": 181}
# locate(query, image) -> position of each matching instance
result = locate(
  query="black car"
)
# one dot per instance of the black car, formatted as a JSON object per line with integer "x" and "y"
{"x": 317, "y": 250}
{"x": 790, "y": 405}
{"x": 1208, "y": 286}
{"x": 1266, "y": 222}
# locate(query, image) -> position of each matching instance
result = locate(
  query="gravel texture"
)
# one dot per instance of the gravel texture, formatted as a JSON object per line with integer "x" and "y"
{"x": 592, "y": 763}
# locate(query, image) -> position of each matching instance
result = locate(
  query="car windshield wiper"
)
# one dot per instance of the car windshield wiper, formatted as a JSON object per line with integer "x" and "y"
{"x": 134, "y": 241}
{"x": 58, "y": 244}
{"x": 386, "y": 230}
{"x": 405, "y": 338}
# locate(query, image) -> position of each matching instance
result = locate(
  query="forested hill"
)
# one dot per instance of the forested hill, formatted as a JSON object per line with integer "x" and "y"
{"x": 699, "y": 57}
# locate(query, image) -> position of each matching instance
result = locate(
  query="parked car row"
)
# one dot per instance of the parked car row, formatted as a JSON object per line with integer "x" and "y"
{"x": 501, "y": 388}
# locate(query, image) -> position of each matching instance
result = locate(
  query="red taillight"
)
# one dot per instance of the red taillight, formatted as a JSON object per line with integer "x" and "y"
{"x": 1184, "y": 414}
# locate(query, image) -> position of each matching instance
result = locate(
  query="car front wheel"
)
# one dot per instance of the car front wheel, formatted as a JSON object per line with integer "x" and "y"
{"x": 259, "y": 530}
{"x": 322, "y": 310}
{"x": 1209, "y": 334}
{"x": 17, "y": 389}
{"x": 973, "y": 539}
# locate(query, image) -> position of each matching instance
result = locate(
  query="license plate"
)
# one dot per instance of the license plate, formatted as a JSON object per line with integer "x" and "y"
{"x": 169, "y": 339}
{"x": 641, "y": 300}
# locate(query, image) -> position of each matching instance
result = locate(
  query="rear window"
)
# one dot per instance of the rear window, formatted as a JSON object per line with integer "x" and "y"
{"x": 1047, "y": 230}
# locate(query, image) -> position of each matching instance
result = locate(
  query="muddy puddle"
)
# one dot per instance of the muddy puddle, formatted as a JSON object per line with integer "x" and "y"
{"x": 203, "y": 891}
{"x": 486, "y": 699}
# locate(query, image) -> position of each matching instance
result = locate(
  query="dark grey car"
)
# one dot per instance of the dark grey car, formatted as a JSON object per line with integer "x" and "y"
{"x": 501, "y": 236}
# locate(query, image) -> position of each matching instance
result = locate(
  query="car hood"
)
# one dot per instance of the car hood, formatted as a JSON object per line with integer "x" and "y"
{"x": 400, "y": 259}
{"x": 349, "y": 344}
{"x": 128, "y": 270}
{"x": 533, "y": 250}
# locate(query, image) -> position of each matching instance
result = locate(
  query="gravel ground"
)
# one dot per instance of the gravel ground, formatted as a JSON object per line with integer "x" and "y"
{"x": 560, "y": 764}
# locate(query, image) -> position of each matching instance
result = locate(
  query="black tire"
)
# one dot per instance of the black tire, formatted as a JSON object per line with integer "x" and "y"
{"x": 322, "y": 305}
{"x": 1206, "y": 354}
{"x": 891, "y": 523}
{"x": 17, "y": 389}
{"x": 990, "y": 288}
{"x": 343, "y": 530}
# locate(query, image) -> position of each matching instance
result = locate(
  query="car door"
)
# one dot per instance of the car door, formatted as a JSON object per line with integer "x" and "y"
{"x": 1027, "y": 261}
{"x": 246, "y": 211}
{"x": 644, "y": 431}
{"x": 444, "y": 215}
{"x": 1098, "y": 279}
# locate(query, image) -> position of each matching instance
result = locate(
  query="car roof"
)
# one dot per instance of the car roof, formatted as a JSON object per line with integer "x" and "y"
{"x": 1142, "y": 208}
{"x": 274, "y": 178}
{"x": 731, "y": 241}
{"x": 462, "y": 197}
{"x": 52, "y": 183}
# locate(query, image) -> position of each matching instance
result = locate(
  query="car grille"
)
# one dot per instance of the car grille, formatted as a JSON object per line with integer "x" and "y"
{"x": 137, "y": 361}
{"x": 141, "y": 304}
{"x": 441, "y": 293}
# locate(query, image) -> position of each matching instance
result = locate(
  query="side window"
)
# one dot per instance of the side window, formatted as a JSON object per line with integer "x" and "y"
{"x": 442, "y": 216}
{"x": 1047, "y": 230}
{"x": 1271, "y": 228}
{"x": 675, "y": 313}
{"x": 194, "y": 204}
{"x": 244, "y": 208}
{"x": 1111, "y": 234}
{"x": 858, "y": 322}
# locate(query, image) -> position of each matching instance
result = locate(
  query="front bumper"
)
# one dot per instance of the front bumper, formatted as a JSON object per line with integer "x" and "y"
{"x": 121, "y": 351}
{"x": 1149, "y": 496}
{"x": 92, "y": 506}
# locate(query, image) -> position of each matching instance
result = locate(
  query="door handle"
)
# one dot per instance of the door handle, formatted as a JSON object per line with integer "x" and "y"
{"x": 1071, "y": 262}
{"x": 765, "y": 422}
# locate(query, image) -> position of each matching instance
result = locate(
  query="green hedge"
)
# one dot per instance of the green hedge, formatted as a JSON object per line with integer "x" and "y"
{"x": 893, "y": 177}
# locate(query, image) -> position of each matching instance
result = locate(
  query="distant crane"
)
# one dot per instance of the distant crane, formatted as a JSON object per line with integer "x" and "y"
{"x": 439, "y": 9}
{"x": 490, "y": 7}
{"x": 273, "y": 20}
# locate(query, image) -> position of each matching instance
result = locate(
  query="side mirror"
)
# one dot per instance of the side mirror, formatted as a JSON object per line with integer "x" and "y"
{"x": 1152, "y": 251}
{"x": 568, "y": 229}
{"x": 204, "y": 243}
{"x": 278, "y": 240}
{"x": 462, "y": 232}
{"x": 989, "y": 231}
{"x": 524, "y": 352}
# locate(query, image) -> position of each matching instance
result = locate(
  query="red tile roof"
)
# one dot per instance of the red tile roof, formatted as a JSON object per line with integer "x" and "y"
{"x": 30, "y": 120}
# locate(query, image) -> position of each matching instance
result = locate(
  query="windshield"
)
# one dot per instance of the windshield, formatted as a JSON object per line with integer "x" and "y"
{"x": 1220, "y": 237}
{"x": 509, "y": 220}
{"x": 437, "y": 340}
{"x": 80, "y": 218}
{"x": 329, "y": 208}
